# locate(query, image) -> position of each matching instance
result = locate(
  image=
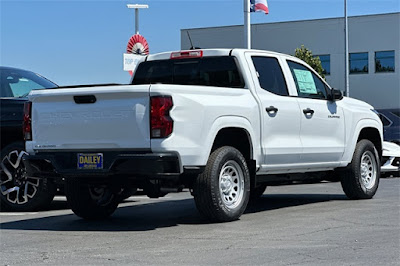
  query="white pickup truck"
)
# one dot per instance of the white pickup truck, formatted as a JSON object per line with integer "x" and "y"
{"x": 223, "y": 123}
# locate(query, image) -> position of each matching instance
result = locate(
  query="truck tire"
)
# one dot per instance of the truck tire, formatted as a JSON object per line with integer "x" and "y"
{"x": 91, "y": 202}
{"x": 361, "y": 178}
{"x": 18, "y": 191}
{"x": 221, "y": 192}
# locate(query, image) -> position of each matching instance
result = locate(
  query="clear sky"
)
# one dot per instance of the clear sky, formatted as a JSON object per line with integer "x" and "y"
{"x": 82, "y": 42}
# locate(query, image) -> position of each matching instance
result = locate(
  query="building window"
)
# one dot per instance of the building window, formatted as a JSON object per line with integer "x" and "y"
{"x": 358, "y": 63}
{"x": 326, "y": 63}
{"x": 384, "y": 61}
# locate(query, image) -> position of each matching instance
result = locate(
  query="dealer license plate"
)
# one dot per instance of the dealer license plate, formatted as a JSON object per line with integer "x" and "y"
{"x": 90, "y": 161}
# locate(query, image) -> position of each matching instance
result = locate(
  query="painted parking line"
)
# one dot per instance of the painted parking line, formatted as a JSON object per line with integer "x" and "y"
{"x": 16, "y": 213}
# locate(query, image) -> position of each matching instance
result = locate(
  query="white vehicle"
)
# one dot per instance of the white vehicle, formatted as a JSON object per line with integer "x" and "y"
{"x": 223, "y": 123}
{"x": 390, "y": 158}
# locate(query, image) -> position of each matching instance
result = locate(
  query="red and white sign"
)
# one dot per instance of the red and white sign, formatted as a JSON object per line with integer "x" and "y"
{"x": 137, "y": 44}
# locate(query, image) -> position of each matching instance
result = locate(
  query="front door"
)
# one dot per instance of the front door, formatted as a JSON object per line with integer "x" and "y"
{"x": 322, "y": 130}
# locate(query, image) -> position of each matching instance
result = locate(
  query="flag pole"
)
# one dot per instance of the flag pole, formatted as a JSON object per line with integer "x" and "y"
{"x": 346, "y": 51}
{"x": 247, "y": 25}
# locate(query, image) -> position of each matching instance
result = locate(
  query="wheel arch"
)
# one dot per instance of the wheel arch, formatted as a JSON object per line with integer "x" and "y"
{"x": 364, "y": 129}
{"x": 372, "y": 134}
{"x": 227, "y": 136}
{"x": 226, "y": 131}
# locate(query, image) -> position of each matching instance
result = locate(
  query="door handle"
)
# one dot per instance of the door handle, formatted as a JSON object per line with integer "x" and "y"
{"x": 271, "y": 109}
{"x": 308, "y": 111}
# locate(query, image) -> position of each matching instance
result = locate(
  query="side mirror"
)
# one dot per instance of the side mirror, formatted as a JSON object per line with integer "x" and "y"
{"x": 335, "y": 95}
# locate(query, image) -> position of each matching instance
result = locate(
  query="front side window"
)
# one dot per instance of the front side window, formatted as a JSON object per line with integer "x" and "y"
{"x": 270, "y": 75}
{"x": 219, "y": 71}
{"x": 307, "y": 83}
{"x": 358, "y": 63}
{"x": 18, "y": 83}
{"x": 325, "y": 63}
{"x": 384, "y": 61}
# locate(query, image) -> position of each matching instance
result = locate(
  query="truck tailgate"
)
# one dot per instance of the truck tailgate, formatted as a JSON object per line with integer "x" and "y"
{"x": 91, "y": 118}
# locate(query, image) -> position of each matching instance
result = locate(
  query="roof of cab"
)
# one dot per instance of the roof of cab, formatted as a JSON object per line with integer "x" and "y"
{"x": 211, "y": 52}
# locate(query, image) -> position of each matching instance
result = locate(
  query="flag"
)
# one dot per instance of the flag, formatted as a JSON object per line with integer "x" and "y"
{"x": 259, "y": 5}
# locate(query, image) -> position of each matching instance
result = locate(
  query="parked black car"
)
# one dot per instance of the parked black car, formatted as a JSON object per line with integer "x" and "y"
{"x": 391, "y": 124}
{"x": 19, "y": 192}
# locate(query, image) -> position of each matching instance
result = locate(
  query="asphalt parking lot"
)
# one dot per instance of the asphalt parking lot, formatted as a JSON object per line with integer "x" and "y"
{"x": 290, "y": 225}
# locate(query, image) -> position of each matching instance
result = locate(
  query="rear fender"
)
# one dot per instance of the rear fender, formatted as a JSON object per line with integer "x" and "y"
{"x": 233, "y": 122}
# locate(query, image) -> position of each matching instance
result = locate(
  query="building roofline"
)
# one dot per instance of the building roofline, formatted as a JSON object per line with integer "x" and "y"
{"x": 291, "y": 21}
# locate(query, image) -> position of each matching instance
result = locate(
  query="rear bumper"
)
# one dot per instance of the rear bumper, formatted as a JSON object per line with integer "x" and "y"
{"x": 127, "y": 164}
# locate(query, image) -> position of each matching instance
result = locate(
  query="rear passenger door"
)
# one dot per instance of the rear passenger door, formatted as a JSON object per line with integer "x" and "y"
{"x": 280, "y": 129}
{"x": 322, "y": 130}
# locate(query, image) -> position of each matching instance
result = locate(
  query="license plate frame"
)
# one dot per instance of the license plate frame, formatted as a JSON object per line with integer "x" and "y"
{"x": 90, "y": 161}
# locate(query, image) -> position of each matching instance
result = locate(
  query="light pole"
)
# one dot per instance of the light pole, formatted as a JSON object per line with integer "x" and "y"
{"x": 136, "y": 7}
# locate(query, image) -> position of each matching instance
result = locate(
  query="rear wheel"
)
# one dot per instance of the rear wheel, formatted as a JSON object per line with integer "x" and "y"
{"x": 361, "y": 178}
{"x": 221, "y": 192}
{"x": 91, "y": 201}
{"x": 20, "y": 192}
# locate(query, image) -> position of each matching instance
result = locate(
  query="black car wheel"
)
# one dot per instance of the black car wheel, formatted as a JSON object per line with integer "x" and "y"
{"x": 18, "y": 191}
{"x": 91, "y": 202}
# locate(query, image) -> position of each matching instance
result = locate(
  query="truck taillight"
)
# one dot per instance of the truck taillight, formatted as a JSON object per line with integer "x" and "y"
{"x": 27, "y": 124}
{"x": 161, "y": 124}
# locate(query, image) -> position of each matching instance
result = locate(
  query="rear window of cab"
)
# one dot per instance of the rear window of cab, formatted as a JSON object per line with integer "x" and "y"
{"x": 220, "y": 71}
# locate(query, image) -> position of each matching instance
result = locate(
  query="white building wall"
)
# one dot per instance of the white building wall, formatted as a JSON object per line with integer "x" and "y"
{"x": 369, "y": 33}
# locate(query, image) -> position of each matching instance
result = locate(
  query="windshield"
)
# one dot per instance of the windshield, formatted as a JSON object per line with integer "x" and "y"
{"x": 219, "y": 71}
{"x": 18, "y": 83}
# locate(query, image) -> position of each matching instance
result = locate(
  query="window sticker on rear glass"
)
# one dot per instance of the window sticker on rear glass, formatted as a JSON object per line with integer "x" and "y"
{"x": 305, "y": 81}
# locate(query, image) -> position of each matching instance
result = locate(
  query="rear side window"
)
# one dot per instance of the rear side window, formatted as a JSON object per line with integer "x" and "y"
{"x": 206, "y": 71}
{"x": 307, "y": 83}
{"x": 270, "y": 75}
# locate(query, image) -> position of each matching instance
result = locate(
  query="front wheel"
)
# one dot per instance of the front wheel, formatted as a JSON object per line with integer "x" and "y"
{"x": 91, "y": 202}
{"x": 18, "y": 191}
{"x": 221, "y": 192}
{"x": 361, "y": 179}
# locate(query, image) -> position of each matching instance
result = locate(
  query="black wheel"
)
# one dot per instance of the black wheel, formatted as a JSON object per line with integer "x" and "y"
{"x": 361, "y": 179}
{"x": 127, "y": 192}
{"x": 257, "y": 192}
{"x": 20, "y": 192}
{"x": 221, "y": 192}
{"x": 91, "y": 202}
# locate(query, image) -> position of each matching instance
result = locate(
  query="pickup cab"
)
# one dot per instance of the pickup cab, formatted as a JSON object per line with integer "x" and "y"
{"x": 224, "y": 123}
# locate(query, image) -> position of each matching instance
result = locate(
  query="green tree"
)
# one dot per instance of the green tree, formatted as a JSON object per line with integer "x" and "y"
{"x": 306, "y": 55}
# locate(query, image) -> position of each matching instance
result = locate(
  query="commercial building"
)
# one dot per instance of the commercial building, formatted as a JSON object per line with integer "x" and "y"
{"x": 374, "y": 50}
